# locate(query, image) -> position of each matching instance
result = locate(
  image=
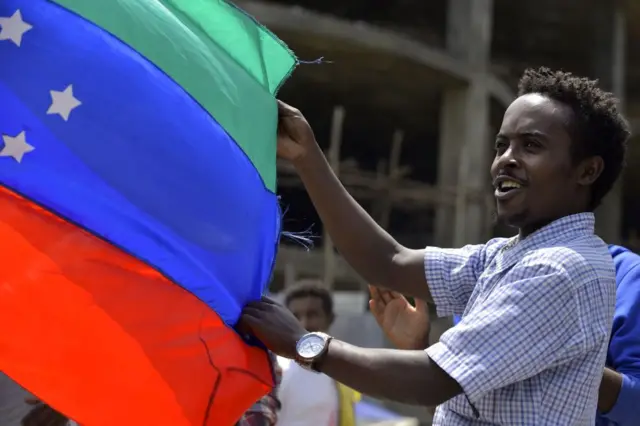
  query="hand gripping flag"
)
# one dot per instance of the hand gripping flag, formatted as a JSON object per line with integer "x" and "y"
{"x": 137, "y": 205}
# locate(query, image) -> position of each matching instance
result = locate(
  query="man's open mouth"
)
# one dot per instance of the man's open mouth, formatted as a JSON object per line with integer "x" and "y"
{"x": 506, "y": 188}
{"x": 508, "y": 185}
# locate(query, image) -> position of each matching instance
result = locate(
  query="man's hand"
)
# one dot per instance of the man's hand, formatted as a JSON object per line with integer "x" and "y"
{"x": 274, "y": 325}
{"x": 42, "y": 415}
{"x": 295, "y": 136}
{"x": 405, "y": 326}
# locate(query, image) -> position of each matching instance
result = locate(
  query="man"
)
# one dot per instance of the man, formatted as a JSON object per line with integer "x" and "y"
{"x": 538, "y": 307}
{"x": 620, "y": 389}
{"x": 619, "y": 395}
{"x": 265, "y": 411}
{"x": 308, "y": 398}
{"x": 19, "y": 408}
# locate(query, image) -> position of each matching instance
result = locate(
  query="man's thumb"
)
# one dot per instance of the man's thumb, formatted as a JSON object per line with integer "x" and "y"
{"x": 421, "y": 305}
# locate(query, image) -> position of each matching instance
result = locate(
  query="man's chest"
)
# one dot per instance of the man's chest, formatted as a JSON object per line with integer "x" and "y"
{"x": 493, "y": 279}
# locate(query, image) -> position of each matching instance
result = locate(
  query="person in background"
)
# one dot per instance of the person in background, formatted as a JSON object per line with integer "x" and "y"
{"x": 265, "y": 411}
{"x": 18, "y": 407}
{"x": 406, "y": 327}
{"x": 619, "y": 396}
{"x": 532, "y": 345}
{"x": 309, "y": 398}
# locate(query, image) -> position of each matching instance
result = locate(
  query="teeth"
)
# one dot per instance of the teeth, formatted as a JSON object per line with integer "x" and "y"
{"x": 510, "y": 184}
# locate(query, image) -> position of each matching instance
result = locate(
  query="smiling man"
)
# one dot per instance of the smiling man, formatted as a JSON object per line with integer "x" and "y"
{"x": 531, "y": 346}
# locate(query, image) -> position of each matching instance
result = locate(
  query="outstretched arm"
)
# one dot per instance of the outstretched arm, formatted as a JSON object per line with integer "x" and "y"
{"x": 410, "y": 377}
{"x": 368, "y": 248}
{"x": 404, "y": 376}
{"x": 461, "y": 359}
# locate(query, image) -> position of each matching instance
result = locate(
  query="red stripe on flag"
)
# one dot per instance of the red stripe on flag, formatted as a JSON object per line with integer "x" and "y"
{"x": 106, "y": 339}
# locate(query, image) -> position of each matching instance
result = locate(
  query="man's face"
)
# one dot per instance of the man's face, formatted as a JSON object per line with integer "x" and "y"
{"x": 534, "y": 177}
{"x": 310, "y": 312}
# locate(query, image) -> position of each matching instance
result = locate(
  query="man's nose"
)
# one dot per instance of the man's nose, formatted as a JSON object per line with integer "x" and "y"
{"x": 304, "y": 321}
{"x": 509, "y": 158}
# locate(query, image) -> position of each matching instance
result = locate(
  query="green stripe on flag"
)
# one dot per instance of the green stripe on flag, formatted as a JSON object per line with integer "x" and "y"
{"x": 225, "y": 60}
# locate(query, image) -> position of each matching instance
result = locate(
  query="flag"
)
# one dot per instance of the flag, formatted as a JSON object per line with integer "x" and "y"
{"x": 137, "y": 205}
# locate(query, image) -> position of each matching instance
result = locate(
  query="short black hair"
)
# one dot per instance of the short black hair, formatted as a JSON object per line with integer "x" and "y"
{"x": 311, "y": 288}
{"x": 600, "y": 128}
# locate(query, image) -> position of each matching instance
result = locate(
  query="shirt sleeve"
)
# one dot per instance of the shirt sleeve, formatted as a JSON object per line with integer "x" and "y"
{"x": 528, "y": 324}
{"x": 452, "y": 275}
{"x": 624, "y": 349}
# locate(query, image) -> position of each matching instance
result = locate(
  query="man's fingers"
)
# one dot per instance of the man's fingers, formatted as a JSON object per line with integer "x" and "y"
{"x": 373, "y": 291}
{"x": 375, "y": 295}
{"x": 373, "y": 306}
{"x": 248, "y": 324}
{"x": 285, "y": 110}
{"x": 259, "y": 305}
{"x": 377, "y": 311}
{"x": 267, "y": 299}
{"x": 252, "y": 313}
{"x": 244, "y": 325}
{"x": 388, "y": 296}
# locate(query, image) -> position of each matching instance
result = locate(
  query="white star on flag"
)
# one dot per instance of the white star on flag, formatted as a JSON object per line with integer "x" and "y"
{"x": 13, "y": 28}
{"x": 62, "y": 103}
{"x": 15, "y": 147}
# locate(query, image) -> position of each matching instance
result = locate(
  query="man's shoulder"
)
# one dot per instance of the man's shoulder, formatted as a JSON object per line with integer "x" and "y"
{"x": 492, "y": 247}
{"x": 581, "y": 260}
{"x": 496, "y": 244}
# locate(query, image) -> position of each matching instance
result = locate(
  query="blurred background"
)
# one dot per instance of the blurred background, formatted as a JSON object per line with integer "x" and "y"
{"x": 406, "y": 104}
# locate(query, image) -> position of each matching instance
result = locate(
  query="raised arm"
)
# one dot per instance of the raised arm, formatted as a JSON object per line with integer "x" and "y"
{"x": 368, "y": 248}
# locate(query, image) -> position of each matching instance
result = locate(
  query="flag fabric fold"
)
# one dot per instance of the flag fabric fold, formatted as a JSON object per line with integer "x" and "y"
{"x": 137, "y": 205}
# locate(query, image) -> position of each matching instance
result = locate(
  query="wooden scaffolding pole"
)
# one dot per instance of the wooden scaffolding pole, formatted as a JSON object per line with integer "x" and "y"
{"x": 394, "y": 174}
{"x": 460, "y": 230}
{"x": 333, "y": 156}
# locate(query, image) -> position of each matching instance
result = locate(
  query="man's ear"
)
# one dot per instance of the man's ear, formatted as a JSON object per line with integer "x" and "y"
{"x": 590, "y": 170}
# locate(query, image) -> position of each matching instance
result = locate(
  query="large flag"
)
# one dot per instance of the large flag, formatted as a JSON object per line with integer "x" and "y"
{"x": 137, "y": 205}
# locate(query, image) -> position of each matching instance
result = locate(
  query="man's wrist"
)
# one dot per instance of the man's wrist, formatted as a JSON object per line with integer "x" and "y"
{"x": 421, "y": 342}
{"x": 322, "y": 361}
{"x": 309, "y": 360}
{"x": 420, "y": 345}
{"x": 312, "y": 156}
{"x": 610, "y": 388}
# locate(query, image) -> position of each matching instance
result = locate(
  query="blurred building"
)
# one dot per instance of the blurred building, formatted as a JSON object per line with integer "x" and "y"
{"x": 410, "y": 94}
{"x": 406, "y": 103}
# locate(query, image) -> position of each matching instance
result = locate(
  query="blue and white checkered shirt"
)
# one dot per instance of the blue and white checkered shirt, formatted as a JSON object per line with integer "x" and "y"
{"x": 536, "y": 316}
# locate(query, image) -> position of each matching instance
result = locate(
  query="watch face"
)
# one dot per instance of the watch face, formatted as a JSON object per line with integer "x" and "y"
{"x": 310, "y": 346}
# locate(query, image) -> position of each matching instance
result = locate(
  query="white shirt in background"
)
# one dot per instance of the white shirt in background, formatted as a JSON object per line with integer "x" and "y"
{"x": 307, "y": 398}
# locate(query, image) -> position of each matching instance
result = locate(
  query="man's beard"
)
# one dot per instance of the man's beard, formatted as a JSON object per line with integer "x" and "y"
{"x": 514, "y": 221}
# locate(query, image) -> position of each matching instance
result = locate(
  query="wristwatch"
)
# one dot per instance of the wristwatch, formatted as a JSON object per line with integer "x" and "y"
{"x": 311, "y": 348}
